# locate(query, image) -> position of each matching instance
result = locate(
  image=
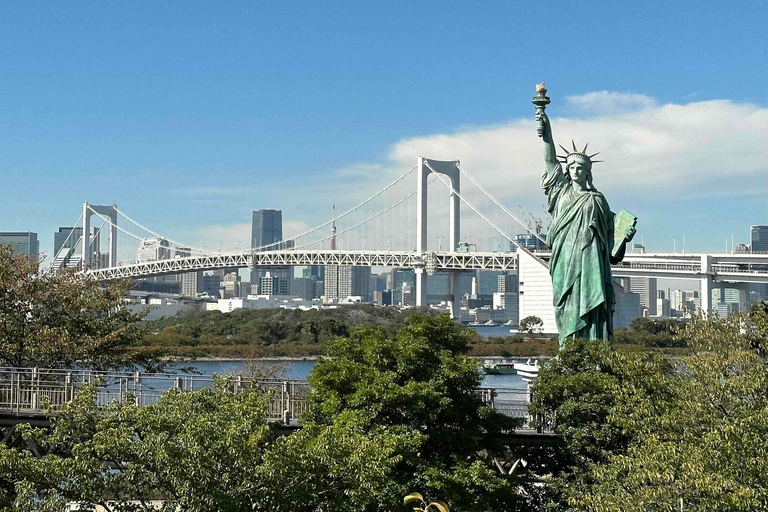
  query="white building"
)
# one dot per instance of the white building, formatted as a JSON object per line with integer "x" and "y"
{"x": 153, "y": 249}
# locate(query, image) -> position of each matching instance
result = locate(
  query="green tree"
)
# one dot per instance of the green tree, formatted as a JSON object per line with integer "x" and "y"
{"x": 420, "y": 384}
{"x": 531, "y": 324}
{"x": 388, "y": 415}
{"x": 61, "y": 319}
{"x": 643, "y": 431}
{"x": 198, "y": 451}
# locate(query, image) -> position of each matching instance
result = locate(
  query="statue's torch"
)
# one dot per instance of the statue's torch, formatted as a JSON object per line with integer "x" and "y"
{"x": 541, "y": 100}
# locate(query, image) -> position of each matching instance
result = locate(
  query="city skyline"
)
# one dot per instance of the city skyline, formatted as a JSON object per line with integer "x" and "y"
{"x": 253, "y": 109}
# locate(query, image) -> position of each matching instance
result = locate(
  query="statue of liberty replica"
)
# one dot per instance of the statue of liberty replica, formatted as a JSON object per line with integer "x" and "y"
{"x": 585, "y": 237}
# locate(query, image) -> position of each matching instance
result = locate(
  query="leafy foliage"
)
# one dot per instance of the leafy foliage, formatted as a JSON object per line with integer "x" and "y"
{"x": 389, "y": 413}
{"x": 643, "y": 431}
{"x": 275, "y": 331}
{"x": 419, "y": 381}
{"x": 62, "y": 319}
{"x": 531, "y": 324}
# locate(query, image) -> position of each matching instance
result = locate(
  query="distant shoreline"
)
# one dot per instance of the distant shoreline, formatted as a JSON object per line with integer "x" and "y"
{"x": 212, "y": 359}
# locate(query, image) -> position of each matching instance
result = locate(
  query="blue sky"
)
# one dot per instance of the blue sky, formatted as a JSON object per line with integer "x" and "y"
{"x": 191, "y": 114}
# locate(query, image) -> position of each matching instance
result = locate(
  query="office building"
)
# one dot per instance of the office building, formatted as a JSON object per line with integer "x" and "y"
{"x": 488, "y": 283}
{"x": 304, "y": 288}
{"x": 153, "y": 249}
{"x": 273, "y": 284}
{"x": 266, "y": 229}
{"x": 67, "y": 251}
{"x": 663, "y": 307}
{"x": 267, "y": 235}
{"x": 507, "y": 283}
{"x": 645, "y": 287}
{"x": 399, "y": 277}
{"x": 509, "y": 303}
{"x": 759, "y": 238}
{"x": 191, "y": 283}
{"x": 23, "y": 242}
{"x": 343, "y": 282}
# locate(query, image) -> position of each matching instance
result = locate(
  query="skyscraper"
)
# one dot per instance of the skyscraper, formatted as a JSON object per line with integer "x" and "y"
{"x": 759, "y": 238}
{"x": 266, "y": 228}
{"x": 23, "y": 242}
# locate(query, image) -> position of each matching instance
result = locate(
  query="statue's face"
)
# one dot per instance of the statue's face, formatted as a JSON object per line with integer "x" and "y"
{"x": 578, "y": 173}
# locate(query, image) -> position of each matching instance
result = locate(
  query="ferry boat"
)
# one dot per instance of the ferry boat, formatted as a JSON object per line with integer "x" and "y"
{"x": 490, "y": 368}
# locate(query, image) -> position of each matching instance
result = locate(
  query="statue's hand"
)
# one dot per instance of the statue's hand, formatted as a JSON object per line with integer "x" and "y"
{"x": 542, "y": 130}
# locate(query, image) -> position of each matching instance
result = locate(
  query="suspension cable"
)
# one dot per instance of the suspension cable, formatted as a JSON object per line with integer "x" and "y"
{"x": 377, "y": 194}
{"x": 174, "y": 242}
{"x": 64, "y": 245}
{"x": 385, "y": 210}
{"x": 486, "y": 219}
{"x": 504, "y": 208}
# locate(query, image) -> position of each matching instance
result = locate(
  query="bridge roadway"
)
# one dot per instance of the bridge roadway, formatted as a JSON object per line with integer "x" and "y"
{"x": 27, "y": 393}
{"x": 733, "y": 268}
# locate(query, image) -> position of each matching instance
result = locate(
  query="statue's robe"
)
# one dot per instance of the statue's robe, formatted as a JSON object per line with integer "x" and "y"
{"x": 581, "y": 238}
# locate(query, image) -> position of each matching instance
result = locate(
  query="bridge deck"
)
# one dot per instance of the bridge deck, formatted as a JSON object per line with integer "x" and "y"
{"x": 723, "y": 267}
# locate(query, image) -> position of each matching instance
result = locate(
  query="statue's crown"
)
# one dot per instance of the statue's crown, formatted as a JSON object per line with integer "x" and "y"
{"x": 582, "y": 157}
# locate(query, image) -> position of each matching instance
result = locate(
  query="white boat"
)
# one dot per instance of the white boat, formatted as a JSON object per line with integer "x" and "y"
{"x": 527, "y": 370}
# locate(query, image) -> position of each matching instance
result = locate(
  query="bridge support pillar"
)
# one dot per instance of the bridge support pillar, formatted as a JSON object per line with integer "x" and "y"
{"x": 707, "y": 284}
{"x": 421, "y": 287}
{"x": 454, "y": 302}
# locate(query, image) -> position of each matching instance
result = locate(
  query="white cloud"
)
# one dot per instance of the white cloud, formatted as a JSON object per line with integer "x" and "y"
{"x": 652, "y": 152}
{"x": 698, "y": 148}
{"x": 609, "y": 102}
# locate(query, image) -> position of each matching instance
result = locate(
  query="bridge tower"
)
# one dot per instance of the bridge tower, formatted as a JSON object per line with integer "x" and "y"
{"x": 108, "y": 211}
{"x": 449, "y": 168}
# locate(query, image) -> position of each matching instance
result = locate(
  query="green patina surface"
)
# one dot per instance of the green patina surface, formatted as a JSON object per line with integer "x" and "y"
{"x": 585, "y": 238}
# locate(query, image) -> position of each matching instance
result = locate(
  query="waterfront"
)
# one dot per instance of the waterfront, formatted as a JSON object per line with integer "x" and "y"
{"x": 506, "y": 385}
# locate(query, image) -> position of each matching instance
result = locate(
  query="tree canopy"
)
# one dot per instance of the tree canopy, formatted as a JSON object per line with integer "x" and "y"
{"x": 63, "y": 319}
{"x": 648, "y": 432}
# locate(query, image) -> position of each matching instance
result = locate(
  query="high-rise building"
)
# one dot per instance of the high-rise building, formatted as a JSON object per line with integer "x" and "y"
{"x": 153, "y": 249}
{"x": 400, "y": 276}
{"x": 66, "y": 252}
{"x": 191, "y": 283}
{"x": 266, "y": 229}
{"x": 759, "y": 238}
{"x": 273, "y": 285}
{"x": 342, "y": 282}
{"x": 23, "y": 242}
{"x": 645, "y": 287}
{"x": 267, "y": 235}
{"x": 303, "y": 287}
{"x": 507, "y": 283}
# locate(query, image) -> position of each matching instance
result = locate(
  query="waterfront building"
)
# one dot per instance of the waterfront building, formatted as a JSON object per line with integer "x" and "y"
{"x": 23, "y": 242}
{"x": 509, "y": 303}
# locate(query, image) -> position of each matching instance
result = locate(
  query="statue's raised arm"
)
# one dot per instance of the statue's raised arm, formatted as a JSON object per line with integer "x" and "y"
{"x": 553, "y": 179}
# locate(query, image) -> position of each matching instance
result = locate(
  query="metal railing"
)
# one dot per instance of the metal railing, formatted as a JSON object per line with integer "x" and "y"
{"x": 37, "y": 390}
